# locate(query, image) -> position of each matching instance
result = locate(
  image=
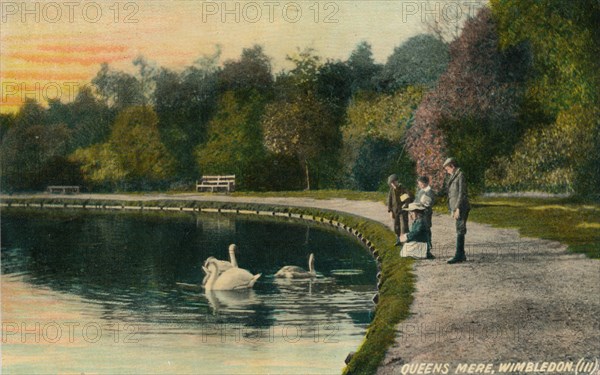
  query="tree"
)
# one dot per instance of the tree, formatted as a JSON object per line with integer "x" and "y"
{"x": 554, "y": 156}
{"x": 185, "y": 102}
{"x": 560, "y": 108}
{"x": 32, "y": 151}
{"x": 100, "y": 167}
{"x": 418, "y": 61}
{"x": 134, "y": 154}
{"x": 235, "y": 141}
{"x": 373, "y": 144}
{"x": 7, "y": 120}
{"x": 302, "y": 128}
{"x": 118, "y": 89}
{"x": 363, "y": 69}
{"x": 145, "y": 78}
{"x": 472, "y": 113}
{"x": 90, "y": 119}
{"x": 333, "y": 86}
{"x": 252, "y": 72}
{"x": 136, "y": 141}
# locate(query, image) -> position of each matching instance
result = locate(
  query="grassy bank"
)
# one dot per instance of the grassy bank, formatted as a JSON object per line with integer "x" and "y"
{"x": 396, "y": 282}
{"x": 573, "y": 223}
{"x": 374, "y": 196}
{"x": 566, "y": 220}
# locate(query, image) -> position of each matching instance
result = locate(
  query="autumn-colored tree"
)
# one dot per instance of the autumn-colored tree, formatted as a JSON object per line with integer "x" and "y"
{"x": 471, "y": 114}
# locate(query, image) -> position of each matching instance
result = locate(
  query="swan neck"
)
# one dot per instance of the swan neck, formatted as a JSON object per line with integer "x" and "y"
{"x": 232, "y": 258}
{"x": 311, "y": 265}
{"x": 213, "y": 273}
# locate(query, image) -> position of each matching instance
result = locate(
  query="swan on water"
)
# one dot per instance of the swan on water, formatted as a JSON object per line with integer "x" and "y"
{"x": 232, "y": 279}
{"x": 222, "y": 265}
{"x": 295, "y": 272}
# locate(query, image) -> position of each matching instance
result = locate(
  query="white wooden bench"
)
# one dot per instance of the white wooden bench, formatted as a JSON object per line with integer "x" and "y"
{"x": 63, "y": 189}
{"x": 212, "y": 183}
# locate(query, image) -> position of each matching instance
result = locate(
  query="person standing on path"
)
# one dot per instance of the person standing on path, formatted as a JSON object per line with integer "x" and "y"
{"x": 459, "y": 206}
{"x": 426, "y": 197}
{"x": 398, "y": 198}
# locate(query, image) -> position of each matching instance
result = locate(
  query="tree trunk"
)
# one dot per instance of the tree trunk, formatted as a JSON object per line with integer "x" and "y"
{"x": 307, "y": 175}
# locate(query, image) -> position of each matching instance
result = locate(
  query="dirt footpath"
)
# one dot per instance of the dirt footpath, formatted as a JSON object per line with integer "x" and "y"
{"x": 515, "y": 300}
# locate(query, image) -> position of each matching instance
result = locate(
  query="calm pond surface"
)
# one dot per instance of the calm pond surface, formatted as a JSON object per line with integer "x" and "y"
{"x": 98, "y": 292}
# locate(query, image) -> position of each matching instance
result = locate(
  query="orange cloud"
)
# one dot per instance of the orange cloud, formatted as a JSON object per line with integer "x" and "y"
{"x": 81, "y": 60}
{"x": 81, "y": 49}
{"x": 33, "y": 75}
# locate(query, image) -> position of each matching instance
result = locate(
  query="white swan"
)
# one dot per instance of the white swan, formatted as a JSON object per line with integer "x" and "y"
{"x": 232, "y": 279}
{"x": 222, "y": 265}
{"x": 295, "y": 272}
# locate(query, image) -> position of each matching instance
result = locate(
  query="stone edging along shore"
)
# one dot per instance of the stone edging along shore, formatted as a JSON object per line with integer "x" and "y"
{"x": 395, "y": 282}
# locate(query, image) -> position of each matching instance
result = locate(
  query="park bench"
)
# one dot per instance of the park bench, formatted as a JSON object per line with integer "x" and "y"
{"x": 212, "y": 183}
{"x": 63, "y": 189}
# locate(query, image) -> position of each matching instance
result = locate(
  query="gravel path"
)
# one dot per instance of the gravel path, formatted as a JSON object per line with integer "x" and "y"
{"x": 516, "y": 299}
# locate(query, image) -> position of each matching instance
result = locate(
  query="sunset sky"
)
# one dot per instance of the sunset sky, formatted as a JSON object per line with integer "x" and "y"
{"x": 49, "y": 49}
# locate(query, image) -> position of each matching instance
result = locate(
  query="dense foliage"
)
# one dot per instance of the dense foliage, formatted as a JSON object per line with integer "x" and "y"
{"x": 559, "y": 152}
{"x": 514, "y": 97}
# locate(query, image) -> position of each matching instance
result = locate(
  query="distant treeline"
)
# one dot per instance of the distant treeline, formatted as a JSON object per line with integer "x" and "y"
{"x": 514, "y": 97}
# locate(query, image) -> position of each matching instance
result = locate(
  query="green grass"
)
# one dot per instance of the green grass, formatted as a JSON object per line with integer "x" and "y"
{"x": 576, "y": 224}
{"x": 319, "y": 194}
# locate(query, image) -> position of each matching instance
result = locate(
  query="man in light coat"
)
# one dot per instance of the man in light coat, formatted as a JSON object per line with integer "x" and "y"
{"x": 459, "y": 206}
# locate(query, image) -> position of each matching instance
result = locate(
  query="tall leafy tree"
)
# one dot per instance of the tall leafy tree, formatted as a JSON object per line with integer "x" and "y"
{"x": 7, "y": 120}
{"x": 302, "y": 128}
{"x": 185, "y": 102}
{"x": 118, "y": 89}
{"x": 420, "y": 60}
{"x": 303, "y": 124}
{"x": 134, "y": 154}
{"x": 373, "y": 143}
{"x": 252, "y": 72}
{"x": 90, "y": 120}
{"x": 363, "y": 69}
{"x": 235, "y": 143}
{"x": 561, "y": 99}
{"x": 33, "y": 151}
{"x": 472, "y": 113}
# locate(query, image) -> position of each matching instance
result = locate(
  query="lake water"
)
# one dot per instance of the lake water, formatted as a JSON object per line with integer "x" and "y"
{"x": 100, "y": 292}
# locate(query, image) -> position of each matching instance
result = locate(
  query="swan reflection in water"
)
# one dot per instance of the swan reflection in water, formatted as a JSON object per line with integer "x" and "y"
{"x": 225, "y": 300}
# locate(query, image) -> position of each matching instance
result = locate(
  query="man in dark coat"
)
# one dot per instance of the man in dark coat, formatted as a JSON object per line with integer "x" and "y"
{"x": 459, "y": 206}
{"x": 398, "y": 198}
